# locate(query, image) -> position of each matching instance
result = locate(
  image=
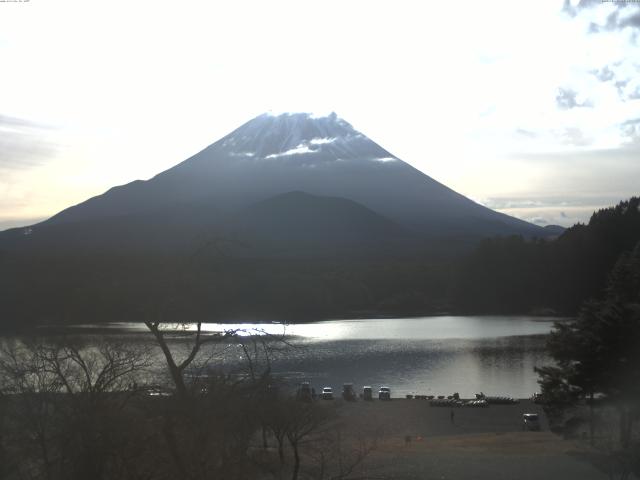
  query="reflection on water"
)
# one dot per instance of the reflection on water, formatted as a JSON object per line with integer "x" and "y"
{"x": 431, "y": 367}
{"x": 429, "y": 355}
{"x": 418, "y": 328}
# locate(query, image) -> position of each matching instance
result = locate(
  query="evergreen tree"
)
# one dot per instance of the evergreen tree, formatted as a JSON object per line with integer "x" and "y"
{"x": 599, "y": 352}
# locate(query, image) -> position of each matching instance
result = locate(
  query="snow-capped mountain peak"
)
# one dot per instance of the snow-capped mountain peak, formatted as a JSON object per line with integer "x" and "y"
{"x": 294, "y": 135}
{"x": 320, "y": 155}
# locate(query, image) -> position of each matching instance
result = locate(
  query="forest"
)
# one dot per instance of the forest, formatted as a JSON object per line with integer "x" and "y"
{"x": 514, "y": 275}
{"x": 502, "y": 275}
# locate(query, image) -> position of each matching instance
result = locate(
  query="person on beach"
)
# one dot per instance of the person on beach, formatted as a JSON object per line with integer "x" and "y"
{"x": 452, "y": 415}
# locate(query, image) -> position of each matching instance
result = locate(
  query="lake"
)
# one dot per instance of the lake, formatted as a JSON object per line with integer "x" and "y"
{"x": 427, "y": 355}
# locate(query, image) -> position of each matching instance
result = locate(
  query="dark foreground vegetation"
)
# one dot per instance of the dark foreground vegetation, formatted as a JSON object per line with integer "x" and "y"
{"x": 217, "y": 281}
{"x": 514, "y": 275}
{"x": 73, "y": 412}
{"x": 107, "y": 411}
{"x": 69, "y": 289}
{"x": 594, "y": 387}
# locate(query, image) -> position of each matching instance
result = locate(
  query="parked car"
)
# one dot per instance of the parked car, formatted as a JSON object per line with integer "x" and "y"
{"x": 367, "y": 393}
{"x": 348, "y": 393}
{"x": 158, "y": 392}
{"x": 531, "y": 422}
{"x": 327, "y": 393}
{"x": 304, "y": 392}
{"x": 384, "y": 393}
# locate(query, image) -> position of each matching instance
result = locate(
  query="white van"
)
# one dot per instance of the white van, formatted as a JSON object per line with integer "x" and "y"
{"x": 531, "y": 422}
{"x": 384, "y": 393}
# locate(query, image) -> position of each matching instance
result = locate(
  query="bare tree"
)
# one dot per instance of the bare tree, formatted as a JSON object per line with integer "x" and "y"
{"x": 303, "y": 420}
{"x": 198, "y": 339}
{"x": 340, "y": 454}
{"x": 31, "y": 403}
{"x": 276, "y": 421}
{"x": 66, "y": 403}
{"x": 207, "y": 429}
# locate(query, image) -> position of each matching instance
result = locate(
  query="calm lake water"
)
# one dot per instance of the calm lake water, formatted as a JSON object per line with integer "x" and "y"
{"x": 428, "y": 355}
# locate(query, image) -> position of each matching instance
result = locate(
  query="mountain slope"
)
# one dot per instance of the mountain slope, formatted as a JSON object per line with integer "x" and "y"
{"x": 288, "y": 216}
{"x": 296, "y": 224}
{"x": 270, "y": 155}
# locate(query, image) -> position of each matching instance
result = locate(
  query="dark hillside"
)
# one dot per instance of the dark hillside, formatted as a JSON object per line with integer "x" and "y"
{"x": 514, "y": 275}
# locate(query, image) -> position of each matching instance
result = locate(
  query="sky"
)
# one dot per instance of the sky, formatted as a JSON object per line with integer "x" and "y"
{"x": 530, "y": 108}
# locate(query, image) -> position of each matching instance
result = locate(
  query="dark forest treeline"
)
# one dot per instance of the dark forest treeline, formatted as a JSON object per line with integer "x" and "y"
{"x": 107, "y": 287}
{"x": 502, "y": 275}
{"x": 507, "y": 275}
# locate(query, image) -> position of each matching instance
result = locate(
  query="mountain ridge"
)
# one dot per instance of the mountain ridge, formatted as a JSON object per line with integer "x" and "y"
{"x": 294, "y": 222}
{"x": 322, "y": 156}
{"x": 285, "y": 217}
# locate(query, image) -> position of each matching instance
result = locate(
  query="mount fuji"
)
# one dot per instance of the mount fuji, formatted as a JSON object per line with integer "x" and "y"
{"x": 285, "y": 183}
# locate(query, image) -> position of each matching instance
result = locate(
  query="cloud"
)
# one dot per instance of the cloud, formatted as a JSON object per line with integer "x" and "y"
{"x": 630, "y": 21}
{"x": 501, "y": 203}
{"x": 13, "y": 122}
{"x": 624, "y": 79}
{"x": 24, "y": 144}
{"x": 626, "y": 14}
{"x": 633, "y": 121}
{"x": 567, "y": 99}
{"x": 604, "y": 74}
{"x": 631, "y": 130}
{"x": 574, "y": 136}
{"x": 18, "y": 222}
{"x": 616, "y": 21}
{"x": 526, "y": 133}
{"x": 539, "y": 220}
{"x": 620, "y": 86}
{"x": 634, "y": 95}
{"x": 577, "y": 176}
{"x": 573, "y": 10}
{"x": 565, "y": 210}
{"x": 462, "y": 124}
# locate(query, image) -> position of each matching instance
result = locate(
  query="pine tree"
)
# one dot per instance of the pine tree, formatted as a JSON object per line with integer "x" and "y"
{"x": 599, "y": 352}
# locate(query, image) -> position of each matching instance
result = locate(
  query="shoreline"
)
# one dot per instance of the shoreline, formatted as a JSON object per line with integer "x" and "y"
{"x": 112, "y": 327}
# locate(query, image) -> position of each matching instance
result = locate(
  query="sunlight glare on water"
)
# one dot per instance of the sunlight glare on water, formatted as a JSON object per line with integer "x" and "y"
{"x": 418, "y": 328}
{"x": 430, "y": 355}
